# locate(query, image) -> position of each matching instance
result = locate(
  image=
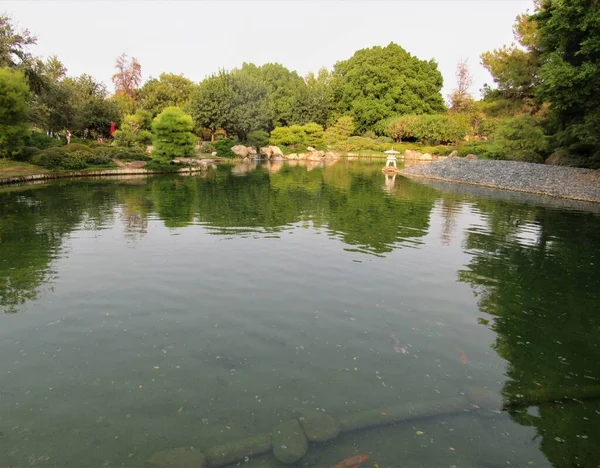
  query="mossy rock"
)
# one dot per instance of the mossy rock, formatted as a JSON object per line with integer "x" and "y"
{"x": 182, "y": 457}
{"x": 289, "y": 442}
{"x": 319, "y": 426}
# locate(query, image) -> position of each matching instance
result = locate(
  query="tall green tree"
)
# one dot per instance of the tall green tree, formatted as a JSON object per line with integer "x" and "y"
{"x": 378, "y": 82}
{"x": 211, "y": 103}
{"x": 165, "y": 91}
{"x": 172, "y": 134}
{"x": 14, "y": 94}
{"x": 569, "y": 43}
{"x": 314, "y": 100}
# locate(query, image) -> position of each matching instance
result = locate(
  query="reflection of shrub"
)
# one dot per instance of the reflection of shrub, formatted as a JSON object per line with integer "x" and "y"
{"x": 223, "y": 148}
{"x": 258, "y": 138}
{"x": 520, "y": 138}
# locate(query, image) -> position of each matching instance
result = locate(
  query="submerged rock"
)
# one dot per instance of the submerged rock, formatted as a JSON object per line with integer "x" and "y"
{"x": 289, "y": 442}
{"x": 182, "y": 457}
{"x": 319, "y": 426}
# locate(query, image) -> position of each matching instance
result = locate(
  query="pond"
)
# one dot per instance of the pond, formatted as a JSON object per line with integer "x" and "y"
{"x": 145, "y": 314}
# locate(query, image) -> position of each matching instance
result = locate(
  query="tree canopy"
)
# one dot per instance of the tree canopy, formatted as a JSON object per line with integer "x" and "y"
{"x": 379, "y": 82}
{"x": 14, "y": 94}
{"x": 167, "y": 90}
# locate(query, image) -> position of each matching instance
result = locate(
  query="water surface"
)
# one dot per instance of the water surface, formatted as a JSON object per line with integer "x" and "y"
{"x": 145, "y": 314}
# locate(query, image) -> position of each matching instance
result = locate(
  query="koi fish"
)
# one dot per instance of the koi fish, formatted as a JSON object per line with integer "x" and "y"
{"x": 397, "y": 345}
{"x": 463, "y": 356}
{"x": 352, "y": 462}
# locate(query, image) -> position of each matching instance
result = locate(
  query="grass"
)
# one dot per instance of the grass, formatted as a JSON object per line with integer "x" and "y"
{"x": 9, "y": 168}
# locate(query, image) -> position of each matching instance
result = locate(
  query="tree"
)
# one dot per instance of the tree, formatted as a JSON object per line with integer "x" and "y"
{"x": 569, "y": 43}
{"x": 520, "y": 138}
{"x": 340, "y": 131}
{"x": 172, "y": 134}
{"x": 14, "y": 94}
{"x": 314, "y": 99}
{"x": 135, "y": 130}
{"x": 515, "y": 68}
{"x": 14, "y": 44}
{"x": 166, "y": 91}
{"x": 128, "y": 77}
{"x": 461, "y": 99}
{"x": 211, "y": 104}
{"x": 379, "y": 82}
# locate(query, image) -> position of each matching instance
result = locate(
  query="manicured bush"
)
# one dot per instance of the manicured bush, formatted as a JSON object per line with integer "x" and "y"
{"x": 50, "y": 158}
{"x": 172, "y": 134}
{"x": 427, "y": 129}
{"x": 207, "y": 148}
{"x": 74, "y": 160}
{"x": 258, "y": 138}
{"x": 223, "y": 148}
{"x": 310, "y": 134}
{"x": 26, "y": 154}
{"x": 340, "y": 131}
{"x": 72, "y": 147}
{"x": 42, "y": 141}
{"x": 520, "y": 138}
{"x": 96, "y": 159}
{"x": 115, "y": 152}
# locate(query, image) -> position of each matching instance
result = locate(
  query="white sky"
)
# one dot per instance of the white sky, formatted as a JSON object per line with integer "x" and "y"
{"x": 197, "y": 38}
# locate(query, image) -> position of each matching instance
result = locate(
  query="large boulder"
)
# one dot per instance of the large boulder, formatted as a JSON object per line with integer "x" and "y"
{"x": 454, "y": 154}
{"x": 240, "y": 151}
{"x": 471, "y": 156}
{"x": 333, "y": 155}
{"x": 289, "y": 442}
{"x": 292, "y": 156}
{"x": 251, "y": 151}
{"x": 183, "y": 457}
{"x": 411, "y": 154}
{"x": 319, "y": 426}
{"x": 555, "y": 158}
{"x": 266, "y": 152}
{"x": 310, "y": 149}
{"x": 301, "y": 156}
{"x": 275, "y": 152}
{"x": 315, "y": 155}
{"x": 425, "y": 157}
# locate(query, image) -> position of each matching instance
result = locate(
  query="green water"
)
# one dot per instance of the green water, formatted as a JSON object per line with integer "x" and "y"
{"x": 144, "y": 314}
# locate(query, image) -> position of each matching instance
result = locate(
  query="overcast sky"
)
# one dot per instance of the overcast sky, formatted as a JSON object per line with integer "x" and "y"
{"x": 197, "y": 38}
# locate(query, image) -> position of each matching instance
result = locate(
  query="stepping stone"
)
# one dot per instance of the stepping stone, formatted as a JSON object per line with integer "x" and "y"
{"x": 182, "y": 457}
{"x": 289, "y": 442}
{"x": 319, "y": 426}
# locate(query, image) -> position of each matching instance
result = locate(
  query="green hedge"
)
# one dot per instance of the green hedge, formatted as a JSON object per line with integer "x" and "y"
{"x": 429, "y": 129}
{"x": 311, "y": 134}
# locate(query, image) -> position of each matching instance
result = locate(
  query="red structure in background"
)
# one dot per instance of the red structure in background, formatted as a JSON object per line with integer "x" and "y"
{"x": 112, "y": 128}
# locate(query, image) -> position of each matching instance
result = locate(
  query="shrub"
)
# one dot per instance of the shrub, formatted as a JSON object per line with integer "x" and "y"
{"x": 223, "y": 148}
{"x": 258, "y": 138}
{"x": 42, "y": 141}
{"x": 369, "y": 134}
{"x": 26, "y": 154}
{"x": 520, "y": 138}
{"x": 50, "y": 158}
{"x": 340, "y": 130}
{"x": 310, "y": 134}
{"x": 97, "y": 159}
{"x": 115, "y": 152}
{"x": 72, "y": 147}
{"x": 134, "y": 130}
{"x": 314, "y": 135}
{"x": 74, "y": 160}
{"x": 429, "y": 129}
{"x": 173, "y": 135}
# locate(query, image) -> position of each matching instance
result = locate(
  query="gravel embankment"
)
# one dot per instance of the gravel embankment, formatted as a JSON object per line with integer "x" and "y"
{"x": 557, "y": 181}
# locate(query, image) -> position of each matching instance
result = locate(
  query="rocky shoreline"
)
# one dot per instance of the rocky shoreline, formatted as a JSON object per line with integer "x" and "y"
{"x": 556, "y": 181}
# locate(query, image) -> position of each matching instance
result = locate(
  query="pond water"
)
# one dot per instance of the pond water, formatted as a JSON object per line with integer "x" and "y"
{"x": 145, "y": 314}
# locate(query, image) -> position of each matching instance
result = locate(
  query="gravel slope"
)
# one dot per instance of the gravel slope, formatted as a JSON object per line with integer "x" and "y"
{"x": 557, "y": 181}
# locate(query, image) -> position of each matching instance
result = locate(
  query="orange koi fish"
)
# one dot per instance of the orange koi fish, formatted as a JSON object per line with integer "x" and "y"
{"x": 463, "y": 356}
{"x": 352, "y": 462}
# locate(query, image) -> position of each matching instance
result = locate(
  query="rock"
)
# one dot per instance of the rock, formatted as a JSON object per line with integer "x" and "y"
{"x": 425, "y": 157}
{"x": 484, "y": 398}
{"x": 333, "y": 155}
{"x": 310, "y": 149}
{"x": 214, "y": 153}
{"x": 319, "y": 426}
{"x": 182, "y": 457}
{"x": 292, "y": 156}
{"x": 411, "y": 154}
{"x": 251, "y": 151}
{"x": 275, "y": 151}
{"x": 289, "y": 442}
{"x": 302, "y": 156}
{"x": 315, "y": 155}
{"x": 240, "y": 151}
{"x": 454, "y": 154}
{"x": 555, "y": 158}
{"x": 265, "y": 151}
{"x": 471, "y": 156}
{"x": 136, "y": 164}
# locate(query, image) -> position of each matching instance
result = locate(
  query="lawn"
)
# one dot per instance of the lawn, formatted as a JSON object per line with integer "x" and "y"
{"x": 9, "y": 168}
